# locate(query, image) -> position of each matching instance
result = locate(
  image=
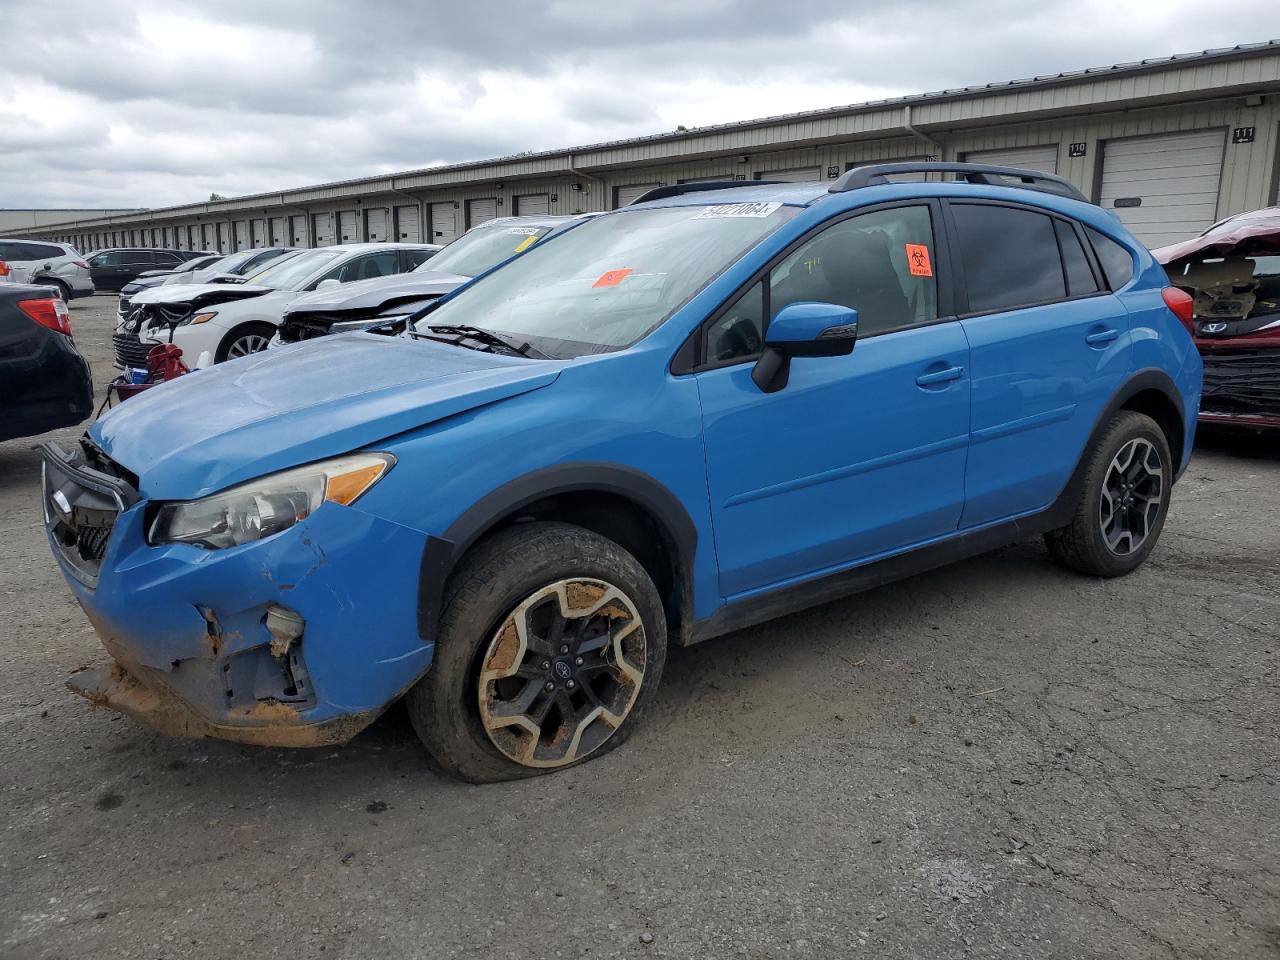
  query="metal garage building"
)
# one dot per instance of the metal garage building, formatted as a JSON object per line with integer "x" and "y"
{"x": 1171, "y": 145}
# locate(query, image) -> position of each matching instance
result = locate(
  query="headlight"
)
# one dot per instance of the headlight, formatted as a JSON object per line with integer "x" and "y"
{"x": 349, "y": 326}
{"x": 267, "y": 505}
{"x": 203, "y": 317}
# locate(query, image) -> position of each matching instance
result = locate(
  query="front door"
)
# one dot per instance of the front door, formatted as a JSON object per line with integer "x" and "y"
{"x": 858, "y": 456}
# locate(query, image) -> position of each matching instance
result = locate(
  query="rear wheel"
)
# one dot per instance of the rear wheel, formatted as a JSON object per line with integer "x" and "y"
{"x": 1123, "y": 500}
{"x": 551, "y": 643}
{"x": 56, "y": 287}
{"x": 242, "y": 341}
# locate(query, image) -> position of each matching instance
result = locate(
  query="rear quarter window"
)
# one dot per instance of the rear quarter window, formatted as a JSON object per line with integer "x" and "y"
{"x": 1117, "y": 262}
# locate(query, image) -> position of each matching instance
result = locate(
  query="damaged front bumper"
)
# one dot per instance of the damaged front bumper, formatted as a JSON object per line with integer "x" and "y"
{"x": 299, "y": 639}
{"x": 1241, "y": 388}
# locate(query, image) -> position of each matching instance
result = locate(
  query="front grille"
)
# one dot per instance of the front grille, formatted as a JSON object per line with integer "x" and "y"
{"x": 81, "y": 506}
{"x": 1242, "y": 382}
{"x": 130, "y": 351}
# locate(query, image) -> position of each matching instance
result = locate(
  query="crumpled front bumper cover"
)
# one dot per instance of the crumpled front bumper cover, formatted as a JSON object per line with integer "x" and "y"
{"x": 111, "y": 685}
{"x": 190, "y": 629}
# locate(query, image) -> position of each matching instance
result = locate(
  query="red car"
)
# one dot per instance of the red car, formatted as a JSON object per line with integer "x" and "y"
{"x": 1233, "y": 272}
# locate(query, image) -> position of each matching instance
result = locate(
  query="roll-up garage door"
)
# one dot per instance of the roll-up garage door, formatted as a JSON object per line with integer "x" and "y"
{"x": 532, "y": 204}
{"x": 208, "y": 237}
{"x": 1043, "y": 159}
{"x": 478, "y": 211}
{"x": 630, "y": 193}
{"x": 444, "y": 222}
{"x": 793, "y": 175}
{"x": 375, "y": 224}
{"x": 259, "y": 232}
{"x": 276, "y": 233}
{"x": 242, "y": 235}
{"x": 348, "y": 227}
{"x": 322, "y": 229}
{"x": 1164, "y": 188}
{"x": 298, "y": 231}
{"x": 193, "y": 236}
{"x": 407, "y": 227}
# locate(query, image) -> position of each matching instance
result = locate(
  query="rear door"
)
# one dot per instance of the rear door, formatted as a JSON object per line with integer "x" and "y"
{"x": 1048, "y": 348}
{"x": 857, "y": 456}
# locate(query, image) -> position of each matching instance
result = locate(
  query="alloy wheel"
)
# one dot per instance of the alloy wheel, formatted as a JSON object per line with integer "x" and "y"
{"x": 1132, "y": 496}
{"x": 247, "y": 344}
{"x": 562, "y": 672}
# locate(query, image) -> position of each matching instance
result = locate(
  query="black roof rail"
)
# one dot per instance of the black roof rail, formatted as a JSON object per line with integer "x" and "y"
{"x": 697, "y": 186}
{"x": 877, "y": 174}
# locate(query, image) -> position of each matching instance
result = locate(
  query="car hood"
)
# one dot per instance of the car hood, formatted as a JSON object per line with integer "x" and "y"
{"x": 374, "y": 293}
{"x": 199, "y": 294}
{"x": 1258, "y": 232}
{"x": 291, "y": 405}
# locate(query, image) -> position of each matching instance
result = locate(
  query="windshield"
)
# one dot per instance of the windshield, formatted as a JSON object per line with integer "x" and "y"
{"x": 604, "y": 285}
{"x": 483, "y": 248}
{"x": 294, "y": 272}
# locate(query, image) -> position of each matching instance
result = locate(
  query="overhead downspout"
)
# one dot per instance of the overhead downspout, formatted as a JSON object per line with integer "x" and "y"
{"x": 919, "y": 134}
{"x": 581, "y": 173}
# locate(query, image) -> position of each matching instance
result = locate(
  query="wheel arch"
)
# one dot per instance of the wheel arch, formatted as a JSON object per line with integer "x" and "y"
{"x": 240, "y": 327}
{"x": 621, "y": 503}
{"x": 1150, "y": 391}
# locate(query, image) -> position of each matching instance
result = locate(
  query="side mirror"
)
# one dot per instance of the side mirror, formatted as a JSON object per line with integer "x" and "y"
{"x": 803, "y": 329}
{"x": 329, "y": 282}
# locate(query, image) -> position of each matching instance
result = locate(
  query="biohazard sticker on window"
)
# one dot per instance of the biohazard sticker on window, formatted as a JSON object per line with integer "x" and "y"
{"x": 739, "y": 210}
{"x": 918, "y": 260}
{"x": 611, "y": 278}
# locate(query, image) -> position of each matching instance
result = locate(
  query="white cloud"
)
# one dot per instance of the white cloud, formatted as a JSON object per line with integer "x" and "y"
{"x": 128, "y": 104}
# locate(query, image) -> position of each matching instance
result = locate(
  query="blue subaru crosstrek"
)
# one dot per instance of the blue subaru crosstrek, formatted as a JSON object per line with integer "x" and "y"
{"x": 718, "y": 405}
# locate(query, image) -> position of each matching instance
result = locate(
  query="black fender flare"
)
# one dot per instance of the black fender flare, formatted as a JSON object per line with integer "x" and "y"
{"x": 1151, "y": 378}
{"x": 442, "y": 553}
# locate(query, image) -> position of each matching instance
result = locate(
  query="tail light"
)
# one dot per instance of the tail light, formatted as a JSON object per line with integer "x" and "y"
{"x": 81, "y": 263}
{"x": 1182, "y": 305}
{"x": 48, "y": 312}
{"x": 5, "y": 269}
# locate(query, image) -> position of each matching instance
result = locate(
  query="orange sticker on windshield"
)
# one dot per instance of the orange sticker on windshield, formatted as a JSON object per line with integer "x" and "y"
{"x": 611, "y": 278}
{"x": 918, "y": 260}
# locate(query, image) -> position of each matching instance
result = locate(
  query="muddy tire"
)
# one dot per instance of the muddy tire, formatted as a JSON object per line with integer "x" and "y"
{"x": 1123, "y": 500}
{"x": 550, "y": 645}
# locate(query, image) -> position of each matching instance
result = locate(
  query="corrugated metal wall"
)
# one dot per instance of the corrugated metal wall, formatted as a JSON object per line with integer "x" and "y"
{"x": 1250, "y": 171}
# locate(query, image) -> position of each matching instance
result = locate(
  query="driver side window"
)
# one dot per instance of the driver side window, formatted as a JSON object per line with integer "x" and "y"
{"x": 880, "y": 264}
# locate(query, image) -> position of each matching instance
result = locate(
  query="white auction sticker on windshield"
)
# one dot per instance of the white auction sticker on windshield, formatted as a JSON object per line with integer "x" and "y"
{"x": 524, "y": 231}
{"x": 739, "y": 210}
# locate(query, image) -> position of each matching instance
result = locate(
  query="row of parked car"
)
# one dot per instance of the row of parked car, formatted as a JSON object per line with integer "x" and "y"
{"x": 499, "y": 483}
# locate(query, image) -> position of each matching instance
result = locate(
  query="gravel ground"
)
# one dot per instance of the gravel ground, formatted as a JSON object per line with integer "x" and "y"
{"x": 996, "y": 759}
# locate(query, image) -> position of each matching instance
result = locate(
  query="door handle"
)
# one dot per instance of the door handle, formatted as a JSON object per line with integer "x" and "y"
{"x": 940, "y": 376}
{"x": 1101, "y": 337}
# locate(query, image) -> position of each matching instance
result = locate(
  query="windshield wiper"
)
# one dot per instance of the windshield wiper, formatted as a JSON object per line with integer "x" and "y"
{"x": 456, "y": 332}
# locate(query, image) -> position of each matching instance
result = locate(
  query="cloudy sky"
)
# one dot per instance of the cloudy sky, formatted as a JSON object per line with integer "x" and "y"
{"x": 139, "y": 103}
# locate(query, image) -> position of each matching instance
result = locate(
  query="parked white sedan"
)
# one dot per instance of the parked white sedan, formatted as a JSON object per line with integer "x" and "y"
{"x": 216, "y": 322}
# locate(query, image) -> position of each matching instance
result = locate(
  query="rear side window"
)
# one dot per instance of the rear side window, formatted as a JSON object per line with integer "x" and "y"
{"x": 416, "y": 257}
{"x": 1080, "y": 279}
{"x": 1010, "y": 257}
{"x": 1117, "y": 262}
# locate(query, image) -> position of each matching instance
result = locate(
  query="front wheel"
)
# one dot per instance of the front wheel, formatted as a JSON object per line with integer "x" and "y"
{"x": 242, "y": 341}
{"x": 1123, "y": 500}
{"x": 551, "y": 643}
